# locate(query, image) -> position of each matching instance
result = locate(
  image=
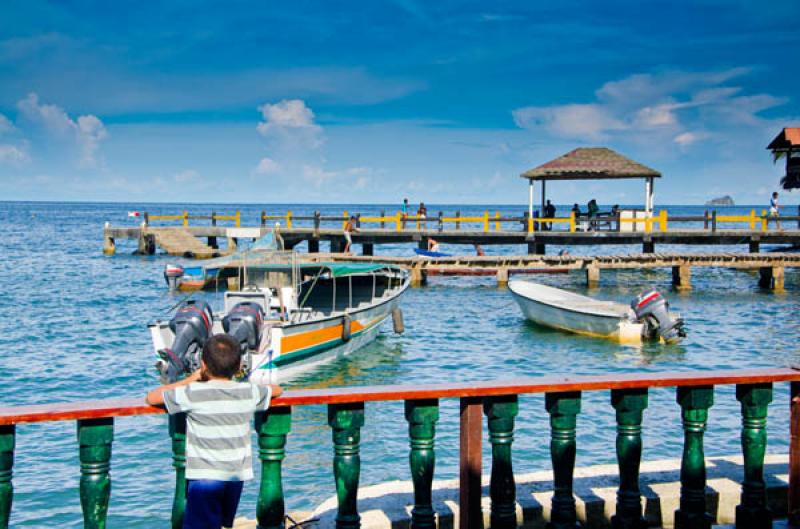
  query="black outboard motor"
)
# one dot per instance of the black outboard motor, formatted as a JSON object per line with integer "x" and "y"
{"x": 192, "y": 327}
{"x": 653, "y": 310}
{"x": 172, "y": 275}
{"x": 243, "y": 322}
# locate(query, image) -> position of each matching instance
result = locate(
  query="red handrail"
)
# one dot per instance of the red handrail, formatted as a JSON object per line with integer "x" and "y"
{"x": 135, "y": 405}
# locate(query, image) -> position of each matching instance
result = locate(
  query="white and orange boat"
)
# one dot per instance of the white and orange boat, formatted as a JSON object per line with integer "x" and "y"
{"x": 288, "y": 318}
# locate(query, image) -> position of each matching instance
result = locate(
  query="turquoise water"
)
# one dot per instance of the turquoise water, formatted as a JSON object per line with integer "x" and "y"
{"x": 73, "y": 328}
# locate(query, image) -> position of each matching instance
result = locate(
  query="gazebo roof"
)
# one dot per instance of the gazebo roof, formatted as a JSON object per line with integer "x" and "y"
{"x": 788, "y": 138}
{"x": 590, "y": 163}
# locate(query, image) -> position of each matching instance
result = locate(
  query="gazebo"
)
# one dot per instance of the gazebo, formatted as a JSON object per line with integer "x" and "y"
{"x": 591, "y": 163}
{"x": 787, "y": 144}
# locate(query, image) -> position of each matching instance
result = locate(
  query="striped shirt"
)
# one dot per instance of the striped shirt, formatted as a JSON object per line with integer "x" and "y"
{"x": 218, "y": 414}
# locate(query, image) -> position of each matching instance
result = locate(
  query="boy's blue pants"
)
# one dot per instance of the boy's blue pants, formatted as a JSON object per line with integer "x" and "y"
{"x": 211, "y": 504}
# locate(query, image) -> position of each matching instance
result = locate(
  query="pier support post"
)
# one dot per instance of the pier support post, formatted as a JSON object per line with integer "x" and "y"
{"x": 272, "y": 427}
{"x": 346, "y": 421}
{"x": 648, "y": 246}
{"x": 313, "y": 246}
{"x": 500, "y": 412}
{"x": 754, "y": 246}
{"x": 682, "y": 277}
{"x": 771, "y": 277}
{"x": 109, "y": 247}
{"x": 752, "y": 512}
{"x": 592, "y": 276}
{"x": 537, "y": 248}
{"x": 629, "y": 405}
{"x": 94, "y": 439}
{"x": 367, "y": 249}
{"x": 563, "y": 409}
{"x": 419, "y": 277}
{"x": 695, "y": 402}
{"x": 502, "y": 277}
{"x": 146, "y": 244}
{"x": 177, "y": 432}
{"x": 422, "y": 416}
{"x": 6, "y": 466}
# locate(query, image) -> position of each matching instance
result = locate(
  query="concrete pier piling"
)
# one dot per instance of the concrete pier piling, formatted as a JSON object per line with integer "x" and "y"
{"x": 682, "y": 277}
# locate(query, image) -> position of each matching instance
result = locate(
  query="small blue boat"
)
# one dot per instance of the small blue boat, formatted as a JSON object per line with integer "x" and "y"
{"x": 428, "y": 253}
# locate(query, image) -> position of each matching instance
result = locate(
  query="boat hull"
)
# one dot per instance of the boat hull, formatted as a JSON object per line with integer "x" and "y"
{"x": 598, "y": 325}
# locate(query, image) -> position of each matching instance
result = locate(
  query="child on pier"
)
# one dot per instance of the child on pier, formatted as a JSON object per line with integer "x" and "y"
{"x": 218, "y": 413}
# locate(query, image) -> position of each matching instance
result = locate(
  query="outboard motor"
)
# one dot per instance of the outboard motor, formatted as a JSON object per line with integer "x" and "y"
{"x": 172, "y": 275}
{"x": 192, "y": 327}
{"x": 243, "y": 322}
{"x": 652, "y": 309}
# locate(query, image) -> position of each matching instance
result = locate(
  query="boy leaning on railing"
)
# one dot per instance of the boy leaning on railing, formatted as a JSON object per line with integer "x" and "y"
{"x": 218, "y": 411}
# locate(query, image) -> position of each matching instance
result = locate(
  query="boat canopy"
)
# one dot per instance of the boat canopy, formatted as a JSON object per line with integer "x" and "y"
{"x": 335, "y": 269}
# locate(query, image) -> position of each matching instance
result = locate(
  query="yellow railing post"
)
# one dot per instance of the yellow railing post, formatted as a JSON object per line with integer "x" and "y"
{"x": 648, "y": 224}
{"x": 572, "y": 221}
{"x": 486, "y": 221}
{"x": 185, "y": 218}
{"x": 662, "y": 220}
{"x": 530, "y": 224}
{"x": 399, "y": 221}
{"x": 344, "y": 222}
{"x": 238, "y": 219}
{"x": 496, "y": 222}
{"x": 752, "y": 219}
{"x": 763, "y": 220}
{"x": 289, "y": 219}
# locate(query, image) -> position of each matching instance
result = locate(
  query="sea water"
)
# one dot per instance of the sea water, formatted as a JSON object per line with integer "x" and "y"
{"x": 73, "y": 327}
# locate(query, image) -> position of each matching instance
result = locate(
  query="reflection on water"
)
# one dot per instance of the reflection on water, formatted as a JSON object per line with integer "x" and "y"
{"x": 75, "y": 329}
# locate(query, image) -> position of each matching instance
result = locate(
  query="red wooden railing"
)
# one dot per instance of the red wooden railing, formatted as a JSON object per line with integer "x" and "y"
{"x": 473, "y": 397}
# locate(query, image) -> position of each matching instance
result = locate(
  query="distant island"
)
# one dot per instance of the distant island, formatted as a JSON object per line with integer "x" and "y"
{"x": 727, "y": 200}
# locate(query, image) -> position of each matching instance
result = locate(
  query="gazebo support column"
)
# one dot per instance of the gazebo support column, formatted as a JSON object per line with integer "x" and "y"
{"x": 530, "y": 200}
{"x": 541, "y": 211}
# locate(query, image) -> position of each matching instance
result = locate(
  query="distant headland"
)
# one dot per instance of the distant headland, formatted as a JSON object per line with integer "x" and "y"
{"x": 727, "y": 200}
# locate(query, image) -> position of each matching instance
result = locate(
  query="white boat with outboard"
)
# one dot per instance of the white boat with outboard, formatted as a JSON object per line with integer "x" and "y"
{"x": 288, "y": 318}
{"x": 647, "y": 317}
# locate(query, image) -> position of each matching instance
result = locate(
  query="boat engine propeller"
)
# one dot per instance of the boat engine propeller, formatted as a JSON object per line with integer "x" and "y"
{"x": 244, "y": 322}
{"x": 192, "y": 327}
{"x": 652, "y": 309}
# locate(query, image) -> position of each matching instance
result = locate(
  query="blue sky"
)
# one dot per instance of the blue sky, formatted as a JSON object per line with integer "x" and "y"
{"x": 446, "y": 102}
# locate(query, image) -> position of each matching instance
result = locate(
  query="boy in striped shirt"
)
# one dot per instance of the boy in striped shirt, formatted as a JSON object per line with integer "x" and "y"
{"x": 219, "y": 457}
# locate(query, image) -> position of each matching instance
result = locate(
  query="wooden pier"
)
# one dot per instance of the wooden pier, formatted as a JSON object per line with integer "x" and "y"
{"x": 534, "y": 234}
{"x": 771, "y": 266}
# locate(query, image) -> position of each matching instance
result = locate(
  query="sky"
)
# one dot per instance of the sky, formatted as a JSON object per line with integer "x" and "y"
{"x": 371, "y": 102}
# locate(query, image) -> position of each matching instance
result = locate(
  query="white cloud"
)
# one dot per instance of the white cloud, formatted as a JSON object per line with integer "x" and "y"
{"x": 290, "y": 124}
{"x": 267, "y": 166}
{"x": 13, "y": 155}
{"x": 590, "y": 121}
{"x": 188, "y": 175}
{"x": 5, "y": 125}
{"x": 87, "y": 131}
{"x": 654, "y": 108}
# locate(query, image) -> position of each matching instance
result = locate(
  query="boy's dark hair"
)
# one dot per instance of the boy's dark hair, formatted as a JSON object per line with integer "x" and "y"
{"x": 222, "y": 356}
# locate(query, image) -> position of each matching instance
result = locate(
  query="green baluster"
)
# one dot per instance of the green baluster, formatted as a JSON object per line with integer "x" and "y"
{"x": 346, "y": 421}
{"x": 95, "y": 437}
{"x": 6, "y": 465}
{"x": 752, "y": 513}
{"x": 629, "y": 405}
{"x": 177, "y": 432}
{"x": 272, "y": 427}
{"x": 422, "y": 416}
{"x": 695, "y": 402}
{"x": 563, "y": 409}
{"x": 500, "y": 412}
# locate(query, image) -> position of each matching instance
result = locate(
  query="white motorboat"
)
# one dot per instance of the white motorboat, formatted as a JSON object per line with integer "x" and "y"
{"x": 288, "y": 318}
{"x": 646, "y": 318}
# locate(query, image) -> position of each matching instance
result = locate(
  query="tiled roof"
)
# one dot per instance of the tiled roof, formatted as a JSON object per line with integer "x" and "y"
{"x": 789, "y": 137}
{"x": 587, "y": 163}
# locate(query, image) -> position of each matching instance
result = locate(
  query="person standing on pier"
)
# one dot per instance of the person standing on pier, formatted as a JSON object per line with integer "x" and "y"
{"x": 774, "y": 210}
{"x": 219, "y": 456}
{"x": 404, "y": 212}
{"x": 422, "y": 212}
{"x": 550, "y": 213}
{"x": 349, "y": 228}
